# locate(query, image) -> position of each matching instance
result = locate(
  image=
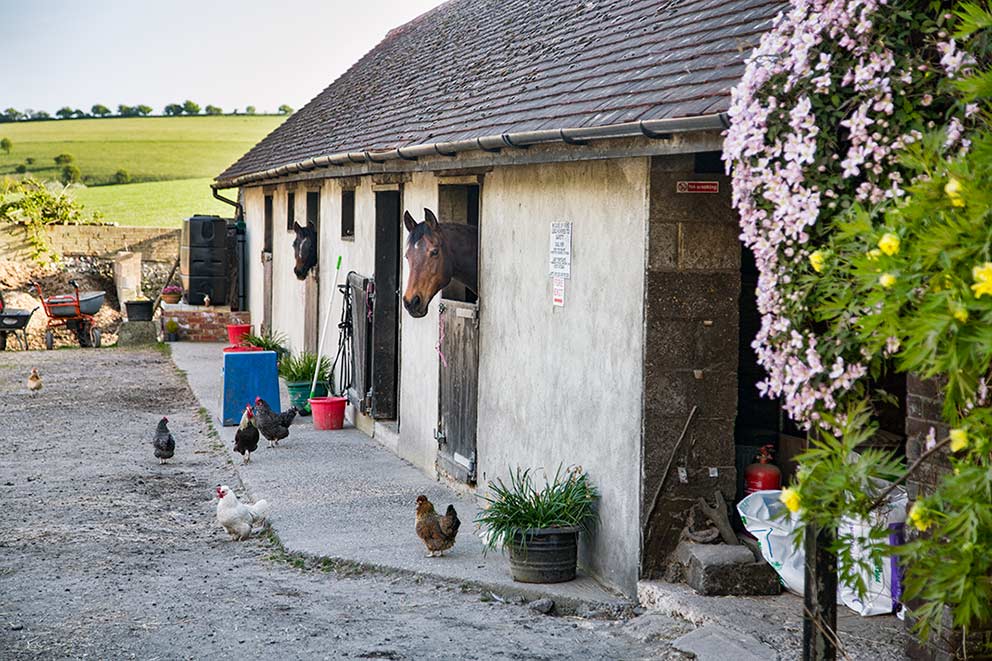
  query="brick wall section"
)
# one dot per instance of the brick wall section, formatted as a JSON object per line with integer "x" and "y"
{"x": 205, "y": 325}
{"x": 924, "y": 403}
{"x": 156, "y": 244}
{"x": 691, "y": 315}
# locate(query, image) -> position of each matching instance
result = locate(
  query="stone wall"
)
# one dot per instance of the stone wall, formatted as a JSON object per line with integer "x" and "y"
{"x": 156, "y": 244}
{"x": 202, "y": 324}
{"x": 691, "y": 338}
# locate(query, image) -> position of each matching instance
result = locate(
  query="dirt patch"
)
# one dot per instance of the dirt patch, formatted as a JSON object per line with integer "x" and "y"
{"x": 15, "y": 283}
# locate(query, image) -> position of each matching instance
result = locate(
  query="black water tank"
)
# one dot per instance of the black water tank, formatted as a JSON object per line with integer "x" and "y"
{"x": 203, "y": 259}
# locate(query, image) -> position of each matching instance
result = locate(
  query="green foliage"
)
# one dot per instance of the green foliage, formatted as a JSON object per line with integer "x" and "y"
{"x": 21, "y": 168}
{"x": 70, "y": 174}
{"x": 172, "y": 326}
{"x": 64, "y": 159}
{"x": 143, "y": 109}
{"x": 301, "y": 367}
{"x": 100, "y": 110}
{"x": 285, "y": 109}
{"x": 174, "y": 109}
{"x": 32, "y": 205}
{"x": 568, "y": 499}
{"x": 249, "y": 110}
{"x": 191, "y": 108}
{"x": 65, "y": 112}
{"x": 6, "y": 145}
{"x": 13, "y": 114}
{"x": 270, "y": 342}
{"x": 213, "y": 110}
{"x": 122, "y": 177}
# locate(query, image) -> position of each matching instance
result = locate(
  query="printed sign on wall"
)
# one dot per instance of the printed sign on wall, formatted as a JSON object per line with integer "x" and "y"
{"x": 558, "y": 291}
{"x": 560, "y": 256}
{"x": 697, "y": 187}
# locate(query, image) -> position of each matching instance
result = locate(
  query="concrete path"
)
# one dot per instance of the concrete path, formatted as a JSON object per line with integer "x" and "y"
{"x": 341, "y": 495}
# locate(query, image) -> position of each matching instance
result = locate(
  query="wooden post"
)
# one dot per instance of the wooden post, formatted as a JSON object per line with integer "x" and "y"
{"x": 820, "y": 596}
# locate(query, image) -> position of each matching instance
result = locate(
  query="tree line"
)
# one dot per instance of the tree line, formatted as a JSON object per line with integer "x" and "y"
{"x": 188, "y": 108}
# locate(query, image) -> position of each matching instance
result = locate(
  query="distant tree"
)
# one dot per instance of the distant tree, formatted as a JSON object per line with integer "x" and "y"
{"x": 100, "y": 110}
{"x": 69, "y": 175}
{"x": 64, "y": 159}
{"x": 6, "y": 145}
{"x": 13, "y": 114}
{"x": 29, "y": 160}
{"x": 21, "y": 168}
{"x": 249, "y": 110}
{"x": 65, "y": 112}
{"x": 191, "y": 108}
{"x": 173, "y": 109}
{"x": 78, "y": 113}
{"x": 40, "y": 114}
{"x": 143, "y": 110}
{"x": 126, "y": 111}
{"x": 122, "y": 176}
{"x": 285, "y": 110}
{"x": 213, "y": 110}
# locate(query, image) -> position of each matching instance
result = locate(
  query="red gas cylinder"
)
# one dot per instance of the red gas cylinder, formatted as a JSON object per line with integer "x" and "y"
{"x": 762, "y": 475}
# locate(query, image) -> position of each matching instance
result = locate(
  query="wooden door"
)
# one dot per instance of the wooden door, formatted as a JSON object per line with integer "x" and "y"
{"x": 459, "y": 391}
{"x": 385, "y": 317}
{"x": 266, "y": 293}
{"x": 311, "y": 286}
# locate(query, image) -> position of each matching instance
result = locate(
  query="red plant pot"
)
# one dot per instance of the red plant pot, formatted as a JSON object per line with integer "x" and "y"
{"x": 237, "y": 332}
{"x": 328, "y": 412}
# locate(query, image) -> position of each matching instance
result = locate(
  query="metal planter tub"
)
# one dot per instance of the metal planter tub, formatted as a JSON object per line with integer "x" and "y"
{"x": 544, "y": 555}
{"x": 64, "y": 305}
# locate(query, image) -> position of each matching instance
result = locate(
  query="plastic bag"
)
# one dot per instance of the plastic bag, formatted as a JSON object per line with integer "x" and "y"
{"x": 759, "y": 513}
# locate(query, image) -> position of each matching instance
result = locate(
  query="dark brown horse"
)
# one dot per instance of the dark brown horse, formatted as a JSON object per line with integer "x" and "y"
{"x": 305, "y": 249}
{"x": 437, "y": 253}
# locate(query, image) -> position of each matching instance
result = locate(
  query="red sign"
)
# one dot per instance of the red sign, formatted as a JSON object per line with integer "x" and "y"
{"x": 697, "y": 187}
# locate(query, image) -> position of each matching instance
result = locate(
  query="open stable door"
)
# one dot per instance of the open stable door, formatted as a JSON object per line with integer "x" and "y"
{"x": 311, "y": 287}
{"x": 266, "y": 326}
{"x": 386, "y": 307}
{"x": 459, "y": 391}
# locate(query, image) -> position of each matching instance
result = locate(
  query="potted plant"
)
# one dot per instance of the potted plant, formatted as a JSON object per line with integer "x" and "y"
{"x": 268, "y": 341}
{"x": 539, "y": 528}
{"x": 172, "y": 294}
{"x": 139, "y": 309}
{"x": 172, "y": 331}
{"x": 297, "y": 372}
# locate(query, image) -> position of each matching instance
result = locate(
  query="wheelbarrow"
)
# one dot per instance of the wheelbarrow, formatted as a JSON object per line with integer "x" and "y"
{"x": 74, "y": 312}
{"x": 14, "y": 322}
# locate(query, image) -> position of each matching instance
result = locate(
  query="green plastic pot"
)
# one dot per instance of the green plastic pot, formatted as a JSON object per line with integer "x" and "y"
{"x": 299, "y": 394}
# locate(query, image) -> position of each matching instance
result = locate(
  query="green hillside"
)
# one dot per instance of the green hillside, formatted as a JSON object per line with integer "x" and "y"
{"x": 180, "y": 155}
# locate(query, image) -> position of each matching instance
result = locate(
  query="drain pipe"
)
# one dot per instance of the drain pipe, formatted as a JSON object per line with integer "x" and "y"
{"x": 242, "y": 247}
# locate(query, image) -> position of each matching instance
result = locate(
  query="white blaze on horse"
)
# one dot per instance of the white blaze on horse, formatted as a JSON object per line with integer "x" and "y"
{"x": 436, "y": 254}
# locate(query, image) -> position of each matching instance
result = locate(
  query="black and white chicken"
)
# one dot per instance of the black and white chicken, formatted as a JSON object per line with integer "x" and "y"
{"x": 165, "y": 444}
{"x": 246, "y": 438}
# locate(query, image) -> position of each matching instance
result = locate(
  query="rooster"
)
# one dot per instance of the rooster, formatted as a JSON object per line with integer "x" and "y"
{"x": 246, "y": 438}
{"x": 165, "y": 445}
{"x": 269, "y": 424}
{"x": 34, "y": 381}
{"x": 236, "y": 517}
{"x": 437, "y": 532}
{"x": 286, "y": 417}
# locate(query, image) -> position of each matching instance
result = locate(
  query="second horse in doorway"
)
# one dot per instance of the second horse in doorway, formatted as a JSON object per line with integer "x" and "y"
{"x": 436, "y": 254}
{"x": 305, "y": 249}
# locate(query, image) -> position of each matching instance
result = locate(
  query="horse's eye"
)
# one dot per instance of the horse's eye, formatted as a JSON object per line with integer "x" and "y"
{"x": 433, "y": 252}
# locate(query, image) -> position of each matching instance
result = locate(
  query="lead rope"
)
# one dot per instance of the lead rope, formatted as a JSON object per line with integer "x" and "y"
{"x": 440, "y": 336}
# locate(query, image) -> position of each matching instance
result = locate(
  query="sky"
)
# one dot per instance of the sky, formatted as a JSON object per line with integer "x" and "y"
{"x": 229, "y": 53}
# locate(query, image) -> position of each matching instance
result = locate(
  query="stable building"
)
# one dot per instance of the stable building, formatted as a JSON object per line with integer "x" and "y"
{"x": 614, "y": 311}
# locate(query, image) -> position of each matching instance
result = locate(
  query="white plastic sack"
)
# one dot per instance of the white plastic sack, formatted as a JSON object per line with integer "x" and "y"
{"x": 759, "y": 512}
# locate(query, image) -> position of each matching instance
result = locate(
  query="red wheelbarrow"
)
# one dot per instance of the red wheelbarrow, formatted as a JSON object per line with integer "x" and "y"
{"x": 74, "y": 312}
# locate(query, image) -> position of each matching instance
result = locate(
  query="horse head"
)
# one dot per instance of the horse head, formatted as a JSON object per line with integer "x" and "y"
{"x": 429, "y": 263}
{"x": 305, "y": 249}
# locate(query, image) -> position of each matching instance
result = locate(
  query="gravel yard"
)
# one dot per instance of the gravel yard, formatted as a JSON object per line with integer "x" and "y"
{"x": 106, "y": 554}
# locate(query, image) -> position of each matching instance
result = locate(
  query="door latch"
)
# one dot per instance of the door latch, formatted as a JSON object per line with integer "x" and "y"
{"x": 440, "y": 437}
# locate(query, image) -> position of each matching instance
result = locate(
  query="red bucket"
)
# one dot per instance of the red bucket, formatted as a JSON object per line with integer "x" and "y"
{"x": 328, "y": 412}
{"x": 236, "y": 332}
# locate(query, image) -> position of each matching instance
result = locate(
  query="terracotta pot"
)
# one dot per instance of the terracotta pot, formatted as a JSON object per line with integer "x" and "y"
{"x": 172, "y": 299}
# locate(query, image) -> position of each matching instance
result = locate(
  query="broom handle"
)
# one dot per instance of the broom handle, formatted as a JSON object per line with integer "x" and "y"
{"x": 323, "y": 332}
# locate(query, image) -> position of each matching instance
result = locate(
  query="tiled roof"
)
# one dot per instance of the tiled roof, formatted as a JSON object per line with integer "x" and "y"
{"x": 472, "y": 68}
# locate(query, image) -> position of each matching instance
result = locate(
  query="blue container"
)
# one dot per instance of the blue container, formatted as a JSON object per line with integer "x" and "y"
{"x": 247, "y": 375}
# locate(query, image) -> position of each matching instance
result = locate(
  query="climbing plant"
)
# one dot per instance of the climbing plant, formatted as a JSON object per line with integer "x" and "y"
{"x": 34, "y": 206}
{"x": 860, "y": 161}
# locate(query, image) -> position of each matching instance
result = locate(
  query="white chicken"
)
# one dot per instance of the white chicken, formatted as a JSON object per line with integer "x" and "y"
{"x": 236, "y": 517}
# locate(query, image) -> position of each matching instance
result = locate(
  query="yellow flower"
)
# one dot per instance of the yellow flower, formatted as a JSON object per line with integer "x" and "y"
{"x": 953, "y": 190}
{"x": 887, "y": 280}
{"x": 790, "y": 497}
{"x": 959, "y": 440}
{"x": 889, "y": 243}
{"x": 983, "y": 279}
{"x": 961, "y": 314}
{"x": 816, "y": 259}
{"x": 874, "y": 254}
{"x": 919, "y": 516}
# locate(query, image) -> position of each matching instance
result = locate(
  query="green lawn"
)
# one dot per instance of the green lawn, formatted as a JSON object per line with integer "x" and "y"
{"x": 155, "y": 203}
{"x": 149, "y": 148}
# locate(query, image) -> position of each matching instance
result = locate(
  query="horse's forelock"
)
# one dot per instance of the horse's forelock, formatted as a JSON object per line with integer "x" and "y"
{"x": 419, "y": 232}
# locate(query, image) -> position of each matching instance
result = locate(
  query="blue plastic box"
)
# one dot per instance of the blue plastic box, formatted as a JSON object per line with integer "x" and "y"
{"x": 247, "y": 375}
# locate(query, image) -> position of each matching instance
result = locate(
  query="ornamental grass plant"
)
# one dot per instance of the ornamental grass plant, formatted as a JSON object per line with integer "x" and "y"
{"x": 301, "y": 367}
{"x": 568, "y": 499}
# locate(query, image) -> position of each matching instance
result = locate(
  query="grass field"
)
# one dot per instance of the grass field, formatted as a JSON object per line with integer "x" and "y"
{"x": 178, "y": 155}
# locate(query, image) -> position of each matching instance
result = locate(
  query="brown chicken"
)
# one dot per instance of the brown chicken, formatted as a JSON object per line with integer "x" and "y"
{"x": 34, "y": 381}
{"x": 436, "y": 531}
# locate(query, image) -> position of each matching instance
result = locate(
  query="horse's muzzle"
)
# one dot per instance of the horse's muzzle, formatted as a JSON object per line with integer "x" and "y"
{"x": 415, "y": 306}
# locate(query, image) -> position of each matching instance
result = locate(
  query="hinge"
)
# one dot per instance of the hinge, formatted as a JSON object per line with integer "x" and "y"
{"x": 440, "y": 437}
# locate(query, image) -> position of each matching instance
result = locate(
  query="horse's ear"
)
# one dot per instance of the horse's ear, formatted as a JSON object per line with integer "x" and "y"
{"x": 430, "y": 218}
{"x": 296, "y": 227}
{"x": 408, "y": 221}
